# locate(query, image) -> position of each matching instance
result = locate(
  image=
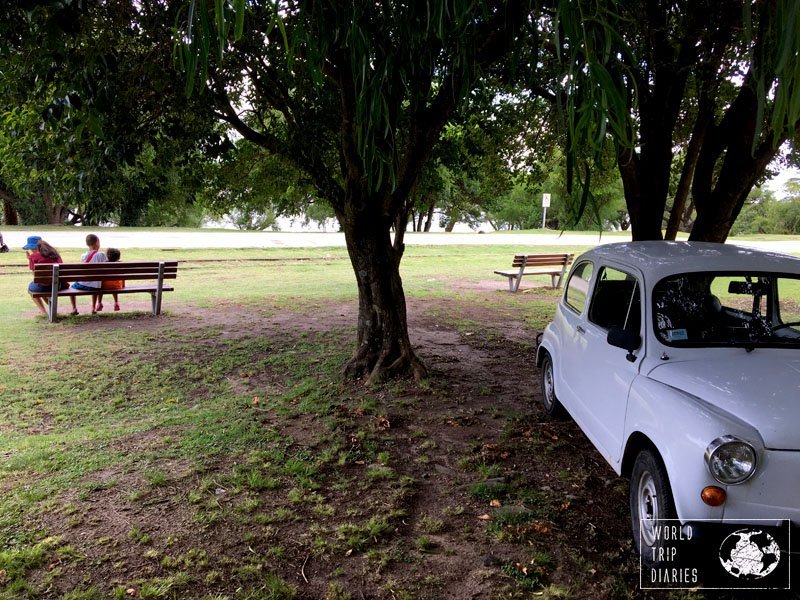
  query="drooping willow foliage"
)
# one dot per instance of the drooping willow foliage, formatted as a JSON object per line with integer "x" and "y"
{"x": 634, "y": 81}
{"x": 719, "y": 82}
{"x": 400, "y": 56}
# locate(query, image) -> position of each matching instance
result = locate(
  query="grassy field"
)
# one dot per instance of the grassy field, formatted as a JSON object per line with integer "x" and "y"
{"x": 217, "y": 453}
{"x": 128, "y": 443}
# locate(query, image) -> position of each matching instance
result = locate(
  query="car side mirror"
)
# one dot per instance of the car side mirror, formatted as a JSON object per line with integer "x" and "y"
{"x": 627, "y": 340}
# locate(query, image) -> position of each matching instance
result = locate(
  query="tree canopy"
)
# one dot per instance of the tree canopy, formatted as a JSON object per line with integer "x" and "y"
{"x": 717, "y": 80}
{"x": 90, "y": 100}
{"x": 381, "y": 112}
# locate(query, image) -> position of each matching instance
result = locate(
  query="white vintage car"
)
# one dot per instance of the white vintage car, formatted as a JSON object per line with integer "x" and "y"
{"x": 680, "y": 361}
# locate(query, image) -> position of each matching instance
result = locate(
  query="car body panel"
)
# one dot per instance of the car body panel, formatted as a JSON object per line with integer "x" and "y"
{"x": 682, "y": 444}
{"x": 682, "y": 398}
{"x": 773, "y": 492}
{"x": 736, "y": 375}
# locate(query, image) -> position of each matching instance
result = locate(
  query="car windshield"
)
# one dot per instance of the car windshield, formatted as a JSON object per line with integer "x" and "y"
{"x": 728, "y": 309}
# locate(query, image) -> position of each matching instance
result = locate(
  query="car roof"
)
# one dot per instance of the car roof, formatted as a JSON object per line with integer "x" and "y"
{"x": 662, "y": 258}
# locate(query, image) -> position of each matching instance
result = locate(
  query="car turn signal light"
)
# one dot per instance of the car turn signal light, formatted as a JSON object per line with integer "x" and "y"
{"x": 713, "y": 495}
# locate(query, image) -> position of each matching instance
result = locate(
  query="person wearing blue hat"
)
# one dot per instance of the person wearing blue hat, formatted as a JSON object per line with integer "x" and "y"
{"x": 31, "y": 245}
{"x": 43, "y": 253}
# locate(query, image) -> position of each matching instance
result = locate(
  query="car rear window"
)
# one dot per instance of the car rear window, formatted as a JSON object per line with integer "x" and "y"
{"x": 578, "y": 287}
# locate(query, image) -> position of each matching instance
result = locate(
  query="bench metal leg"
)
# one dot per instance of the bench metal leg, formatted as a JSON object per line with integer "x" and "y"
{"x": 159, "y": 290}
{"x": 52, "y": 309}
{"x": 515, "y": 286}
{"x": 561, "y": 276}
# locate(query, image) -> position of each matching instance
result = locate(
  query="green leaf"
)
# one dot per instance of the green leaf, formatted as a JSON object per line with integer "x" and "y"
{"x": 219, "y": 13}
{"x": 285, "y": 37}
{"x": 787, "y": 39}
{"x": 239, "y": 8}
{"x": 94, "y": 125}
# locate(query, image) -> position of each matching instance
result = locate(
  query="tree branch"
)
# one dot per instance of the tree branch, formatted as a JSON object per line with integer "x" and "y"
{"x": 310, "y": 163}
{"x": 493, "y": 40}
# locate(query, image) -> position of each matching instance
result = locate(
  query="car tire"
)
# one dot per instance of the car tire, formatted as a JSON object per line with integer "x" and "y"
{"x": 552, "y": 405}
{"x": 651, "y": 503}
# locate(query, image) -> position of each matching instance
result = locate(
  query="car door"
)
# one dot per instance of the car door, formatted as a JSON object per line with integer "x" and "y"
{"x": 602, "y": 373}
{"x": 570, "y": 323}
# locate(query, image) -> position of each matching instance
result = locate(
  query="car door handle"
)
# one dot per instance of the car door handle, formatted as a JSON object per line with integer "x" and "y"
{"x": 580, "y": 329}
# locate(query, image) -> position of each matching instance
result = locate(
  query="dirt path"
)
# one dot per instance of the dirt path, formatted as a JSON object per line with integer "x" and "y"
{"x": 487, "y": 497}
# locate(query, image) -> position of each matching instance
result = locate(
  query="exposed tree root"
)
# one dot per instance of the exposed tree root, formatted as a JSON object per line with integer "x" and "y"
{"x": 375, "y": 368}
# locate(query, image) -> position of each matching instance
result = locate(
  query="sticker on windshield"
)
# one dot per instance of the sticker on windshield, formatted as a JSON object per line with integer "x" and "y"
{"x": 677, "y": 335}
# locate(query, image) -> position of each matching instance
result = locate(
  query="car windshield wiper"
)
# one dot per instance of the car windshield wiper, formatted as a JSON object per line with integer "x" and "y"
{"x": 764, "y": 342}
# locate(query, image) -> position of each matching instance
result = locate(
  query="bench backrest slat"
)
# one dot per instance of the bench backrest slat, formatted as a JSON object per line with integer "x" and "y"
{"x": 104, "y": 271}
{"x": 542, "y": 260}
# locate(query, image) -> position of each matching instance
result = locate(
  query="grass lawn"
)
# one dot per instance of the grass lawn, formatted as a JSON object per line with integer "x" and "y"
{"x": 215, "y": 452}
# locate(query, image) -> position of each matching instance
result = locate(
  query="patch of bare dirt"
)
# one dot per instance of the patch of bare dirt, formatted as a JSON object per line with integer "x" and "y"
{"x": 498, "y": 500}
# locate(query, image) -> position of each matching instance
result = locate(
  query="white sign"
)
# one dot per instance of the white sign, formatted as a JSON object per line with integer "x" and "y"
{"x": 545, "y": 200}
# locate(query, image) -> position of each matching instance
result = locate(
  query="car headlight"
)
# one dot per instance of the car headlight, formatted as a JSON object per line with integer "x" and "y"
{"x": 731, "y": 460}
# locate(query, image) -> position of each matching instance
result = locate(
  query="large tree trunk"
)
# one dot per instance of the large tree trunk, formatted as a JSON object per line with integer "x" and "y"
{"x": 719, "y": 198}
{"x": 56, "y": 213}
{"x": 429, "y": 219}
{"x": 383, "y": 346}
{"x": 645, "y": 208}
{"x": 9, "y": 213}
{"x": 702, "y": 123}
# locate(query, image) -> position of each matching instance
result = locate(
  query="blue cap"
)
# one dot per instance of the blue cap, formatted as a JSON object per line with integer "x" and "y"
{"x": 32, "y": 241}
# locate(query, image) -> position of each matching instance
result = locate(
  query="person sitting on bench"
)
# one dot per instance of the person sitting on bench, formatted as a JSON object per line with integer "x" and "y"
{"x": 113, "y": 255}
{"x": 94, "y": 255}
{"x": 43, "y": 253}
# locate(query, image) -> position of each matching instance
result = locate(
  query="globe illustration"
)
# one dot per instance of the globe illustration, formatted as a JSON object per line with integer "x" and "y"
{"x": 749, "y": 554}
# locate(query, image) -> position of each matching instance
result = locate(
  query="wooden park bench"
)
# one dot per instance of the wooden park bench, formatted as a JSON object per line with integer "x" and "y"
{"x": 55, "y": 275}
{"x": 555, "y": 265}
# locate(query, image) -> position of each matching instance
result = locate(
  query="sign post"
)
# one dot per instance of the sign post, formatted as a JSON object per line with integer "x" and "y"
{"x": 545, "y": 204}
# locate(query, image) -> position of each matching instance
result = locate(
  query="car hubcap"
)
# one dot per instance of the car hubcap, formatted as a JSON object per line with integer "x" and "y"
{"x": 548, "y": 384}
{"x": 648, "y": 508}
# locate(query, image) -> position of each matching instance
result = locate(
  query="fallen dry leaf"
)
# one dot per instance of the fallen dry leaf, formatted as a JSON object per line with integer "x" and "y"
{"x": 540, "y": 528}
{"x": 485, "y": 518}
{"x": 495, "y": 503}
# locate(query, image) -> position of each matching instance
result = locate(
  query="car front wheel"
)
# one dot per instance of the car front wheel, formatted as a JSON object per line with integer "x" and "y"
{"x": 550, "y": 401}
{"x": 651, "y": 503}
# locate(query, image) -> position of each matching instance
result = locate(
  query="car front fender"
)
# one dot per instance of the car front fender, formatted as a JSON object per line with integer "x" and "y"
{"x": 680, "y": 427}
{"x": 548, "y": 344}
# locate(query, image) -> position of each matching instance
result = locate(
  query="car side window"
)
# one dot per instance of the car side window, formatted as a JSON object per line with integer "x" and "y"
{"x": 578, "y": 287}
{"x": 616, "y": 301}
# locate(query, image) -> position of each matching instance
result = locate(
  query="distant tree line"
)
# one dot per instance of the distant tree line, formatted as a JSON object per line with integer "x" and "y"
{"x": 764, "y": 214}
